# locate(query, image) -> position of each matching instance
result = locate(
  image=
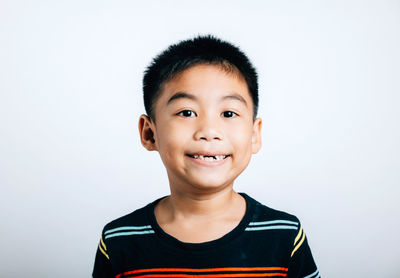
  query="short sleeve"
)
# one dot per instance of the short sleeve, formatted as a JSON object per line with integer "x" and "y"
{"x": 302, "y": 263}
{"x": 102, "y": 265}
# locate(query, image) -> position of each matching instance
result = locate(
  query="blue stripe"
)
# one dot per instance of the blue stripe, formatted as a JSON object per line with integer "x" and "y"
{"x": 273, "y": 222}
{"x": 130, "y": 233}
{"x": 312, "y": 275}
{"x": 127, "y": 228}
{"x": 277, "y": 227}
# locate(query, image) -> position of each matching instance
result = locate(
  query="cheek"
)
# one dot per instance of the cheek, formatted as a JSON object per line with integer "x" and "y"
{"x": 241, "y": 136}
{"x": 171, "y": 141}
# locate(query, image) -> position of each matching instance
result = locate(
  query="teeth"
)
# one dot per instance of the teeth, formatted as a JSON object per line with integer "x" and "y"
{"x": 209, "y": 158}
{"x": 219, "y": 157}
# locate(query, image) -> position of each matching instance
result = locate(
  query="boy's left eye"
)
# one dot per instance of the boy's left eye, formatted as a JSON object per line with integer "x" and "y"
{"x": 228, "y": 114}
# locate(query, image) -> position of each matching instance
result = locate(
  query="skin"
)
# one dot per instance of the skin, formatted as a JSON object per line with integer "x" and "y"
{"x": 204, "y": 110}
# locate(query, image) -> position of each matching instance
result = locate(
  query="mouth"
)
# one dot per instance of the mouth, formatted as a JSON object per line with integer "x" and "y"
{"x": 209, "y": 157}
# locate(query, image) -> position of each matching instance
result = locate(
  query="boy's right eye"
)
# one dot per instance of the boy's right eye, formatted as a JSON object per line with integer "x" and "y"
{"x": 187, "y": 113}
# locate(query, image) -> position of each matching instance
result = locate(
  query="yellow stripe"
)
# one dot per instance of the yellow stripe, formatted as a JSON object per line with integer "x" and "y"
{"x": 298, "y": 236}
{"x": 102, "y": 243}
{"x": 298, "y": 245}
{"x": 104, "y": 252}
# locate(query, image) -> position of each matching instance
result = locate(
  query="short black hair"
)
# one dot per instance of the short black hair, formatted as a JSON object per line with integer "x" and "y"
{"x": 187, "y": 53}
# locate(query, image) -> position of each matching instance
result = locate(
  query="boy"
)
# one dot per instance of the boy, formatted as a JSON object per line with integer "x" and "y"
{"x": 201, "y": 99}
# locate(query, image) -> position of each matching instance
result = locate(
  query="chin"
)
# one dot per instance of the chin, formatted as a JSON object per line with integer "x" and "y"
{"x": 210, "y": 184}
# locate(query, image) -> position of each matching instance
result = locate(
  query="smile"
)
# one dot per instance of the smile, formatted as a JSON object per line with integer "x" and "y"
{"x": 208, "y": 157}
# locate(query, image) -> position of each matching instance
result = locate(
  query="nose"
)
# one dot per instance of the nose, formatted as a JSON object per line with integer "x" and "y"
{"x": 208, "y": 130}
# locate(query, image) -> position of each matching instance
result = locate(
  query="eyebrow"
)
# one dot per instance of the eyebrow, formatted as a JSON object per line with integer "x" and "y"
{"x": 235, "y": 97}
{"x": 180, "y": 95}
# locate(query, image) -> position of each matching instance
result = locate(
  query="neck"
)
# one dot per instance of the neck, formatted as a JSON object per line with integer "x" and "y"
{"x": 197, "y": 207}
{"x": 204, "y": 205}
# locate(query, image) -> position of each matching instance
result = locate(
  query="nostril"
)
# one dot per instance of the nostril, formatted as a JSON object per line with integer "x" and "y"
{"x": 207, "y": 136}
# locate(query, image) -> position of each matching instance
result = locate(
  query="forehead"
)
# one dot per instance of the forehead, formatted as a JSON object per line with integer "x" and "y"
{"x": 208, "y": 81}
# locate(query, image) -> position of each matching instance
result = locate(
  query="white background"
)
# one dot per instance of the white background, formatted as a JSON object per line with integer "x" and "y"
{"x": 70, "y": 157}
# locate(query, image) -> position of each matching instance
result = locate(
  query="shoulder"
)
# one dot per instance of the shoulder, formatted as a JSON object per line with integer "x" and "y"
{"x": 277, "y": 230}
{"x": 136, "y": 222}
{"x": 282, "y": 233}
{"x": 267, "y": 219}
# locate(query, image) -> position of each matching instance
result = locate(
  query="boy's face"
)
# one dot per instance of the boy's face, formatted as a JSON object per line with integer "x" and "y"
{"x": 204, "y": 129}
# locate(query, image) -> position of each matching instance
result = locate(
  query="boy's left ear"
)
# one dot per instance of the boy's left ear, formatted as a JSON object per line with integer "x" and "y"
{"x": 256, "y": 136}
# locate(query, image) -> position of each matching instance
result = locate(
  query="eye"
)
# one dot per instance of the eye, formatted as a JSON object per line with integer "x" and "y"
{"x": 228, "y": 114}
{"x": 187, "y": 113}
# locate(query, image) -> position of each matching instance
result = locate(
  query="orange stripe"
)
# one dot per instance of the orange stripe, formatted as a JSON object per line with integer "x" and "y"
{"x": 205, "y": 270}
{"x": 212, "y": 275}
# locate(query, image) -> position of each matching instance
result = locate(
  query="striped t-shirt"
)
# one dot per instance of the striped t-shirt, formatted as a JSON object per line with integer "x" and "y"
{"x": 266, "y": 243}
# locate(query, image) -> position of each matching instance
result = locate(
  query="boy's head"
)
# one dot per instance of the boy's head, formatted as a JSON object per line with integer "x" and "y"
{"x": 202, "y": 114}
{"x": 188, "y": 53}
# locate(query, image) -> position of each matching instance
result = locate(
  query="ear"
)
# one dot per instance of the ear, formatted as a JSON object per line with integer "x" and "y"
{"x": 146, "y": 132}
{"x": 256, "y": 136}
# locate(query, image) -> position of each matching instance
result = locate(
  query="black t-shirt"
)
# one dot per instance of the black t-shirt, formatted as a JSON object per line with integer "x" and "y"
{"x": 266, "y": 243}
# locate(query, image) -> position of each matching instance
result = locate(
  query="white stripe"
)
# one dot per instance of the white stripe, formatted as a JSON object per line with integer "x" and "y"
{"x": 127, "y": 228}
{"x": 281, "y": 227}
{"x": 312, "y": 274}
{"x": 273, "y": 222}
{"x": 130, "y": 233}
